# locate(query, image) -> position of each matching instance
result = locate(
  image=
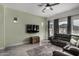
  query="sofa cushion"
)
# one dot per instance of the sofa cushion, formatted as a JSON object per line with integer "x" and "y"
{"x": 73, "y": 41}
{"x": 77, "y": 43}
{"x": 59, "y": 43}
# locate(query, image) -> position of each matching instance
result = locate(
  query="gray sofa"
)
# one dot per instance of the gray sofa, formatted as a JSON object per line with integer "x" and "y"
{"x": 58, "y": 53}
{"x": 72, "y": 50}
{"x": 60, "y": 40}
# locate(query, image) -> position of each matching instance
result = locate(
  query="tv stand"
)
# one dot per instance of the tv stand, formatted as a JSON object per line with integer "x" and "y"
{"x": 35, "y": 39}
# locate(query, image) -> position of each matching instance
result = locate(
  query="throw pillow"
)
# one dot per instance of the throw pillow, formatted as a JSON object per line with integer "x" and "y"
{"x": 73, "y": 41}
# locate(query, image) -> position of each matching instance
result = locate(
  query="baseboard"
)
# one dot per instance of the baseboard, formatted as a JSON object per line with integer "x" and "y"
{"x": 2, "y": 49}
{"x": 14, "y": 45}
{"x": 9, "y": 46}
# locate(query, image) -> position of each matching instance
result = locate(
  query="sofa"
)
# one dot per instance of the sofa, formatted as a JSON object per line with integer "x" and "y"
{"x": 72, "y": 50}
{"x": 58, "y": 53}
{"x": 59, "y": 43}
{"x": 60, "y": 40}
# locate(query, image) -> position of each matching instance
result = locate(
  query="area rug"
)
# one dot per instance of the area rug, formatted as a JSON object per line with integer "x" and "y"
{"x": 45, "y": 50}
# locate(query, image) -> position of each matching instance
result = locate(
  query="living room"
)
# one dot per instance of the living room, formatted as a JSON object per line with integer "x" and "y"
{"x": 32, "y": 27}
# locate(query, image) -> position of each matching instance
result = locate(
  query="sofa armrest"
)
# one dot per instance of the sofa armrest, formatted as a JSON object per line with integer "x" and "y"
{"x": 73, "y": 50}
{"x": 58, "y": 53}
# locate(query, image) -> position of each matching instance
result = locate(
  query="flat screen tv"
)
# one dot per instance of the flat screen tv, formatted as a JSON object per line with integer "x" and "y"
{"x": 30, "y": 28}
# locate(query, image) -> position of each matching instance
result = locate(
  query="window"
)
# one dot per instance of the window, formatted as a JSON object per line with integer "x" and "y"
{"x": 63, "y": 26}
{"x": 51, "y": 28}
{"x": 75, "y": 25}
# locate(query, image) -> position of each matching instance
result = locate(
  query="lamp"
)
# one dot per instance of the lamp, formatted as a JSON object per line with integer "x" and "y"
{"x": 47, "y": 7}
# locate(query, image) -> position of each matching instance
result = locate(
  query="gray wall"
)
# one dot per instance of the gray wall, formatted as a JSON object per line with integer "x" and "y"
{"x": 15, "y": 32}
{"x": 1, "y": 27}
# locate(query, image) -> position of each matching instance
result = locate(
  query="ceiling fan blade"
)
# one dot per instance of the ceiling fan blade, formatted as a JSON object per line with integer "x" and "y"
{"x": 55, "y": 4}
{"x": 42, "y": 4}
{"x": 51, "y": 8}
{"x": 43, "y": 10}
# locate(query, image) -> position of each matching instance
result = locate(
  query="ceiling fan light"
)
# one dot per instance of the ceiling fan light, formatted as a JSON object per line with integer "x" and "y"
{"x": 47, "y": 7}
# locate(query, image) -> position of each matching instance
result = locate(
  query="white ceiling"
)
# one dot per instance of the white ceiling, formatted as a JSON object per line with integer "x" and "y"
{"x": 32, "y": 8}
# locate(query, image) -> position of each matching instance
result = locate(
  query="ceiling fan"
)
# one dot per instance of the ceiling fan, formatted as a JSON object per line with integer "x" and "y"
{"x": 47, "y": 6}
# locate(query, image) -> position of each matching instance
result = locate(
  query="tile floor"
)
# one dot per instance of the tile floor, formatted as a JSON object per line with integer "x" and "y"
{"x": 21, "y": 49}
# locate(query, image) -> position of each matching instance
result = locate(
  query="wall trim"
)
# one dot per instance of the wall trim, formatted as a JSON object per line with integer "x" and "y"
{"x": 16, "y": 44}
{"x": 2, "y": 49}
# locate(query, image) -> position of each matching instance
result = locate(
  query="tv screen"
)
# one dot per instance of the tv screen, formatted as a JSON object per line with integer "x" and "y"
{"x": 32, "y": 28}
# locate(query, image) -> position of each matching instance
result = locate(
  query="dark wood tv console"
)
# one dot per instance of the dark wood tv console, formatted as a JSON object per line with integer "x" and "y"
{"x": 34, "y": 39}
